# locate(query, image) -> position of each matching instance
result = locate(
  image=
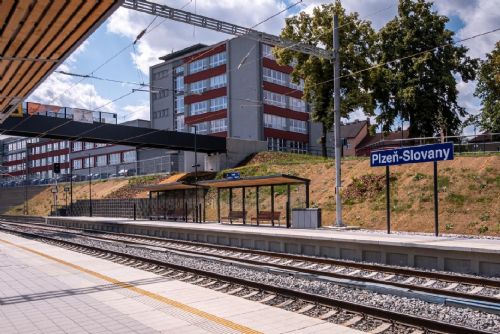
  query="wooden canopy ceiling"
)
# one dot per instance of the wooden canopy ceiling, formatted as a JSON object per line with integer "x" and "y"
{"x": 36, "y": 36}
{"x": 254, "y": 181}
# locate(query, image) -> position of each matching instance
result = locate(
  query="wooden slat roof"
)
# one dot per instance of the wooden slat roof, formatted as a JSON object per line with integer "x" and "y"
{"x": 43, "y": 30}
{"x": 269, "y": 180}
{"x": 169, "y": 186}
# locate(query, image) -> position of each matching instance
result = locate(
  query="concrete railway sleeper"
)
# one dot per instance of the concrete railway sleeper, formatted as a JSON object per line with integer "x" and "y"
{"x": 375, "y": 320}
{"x": 451, "y": 285}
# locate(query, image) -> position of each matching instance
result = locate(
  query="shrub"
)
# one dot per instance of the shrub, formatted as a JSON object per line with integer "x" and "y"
{"x": 456, "y": 198}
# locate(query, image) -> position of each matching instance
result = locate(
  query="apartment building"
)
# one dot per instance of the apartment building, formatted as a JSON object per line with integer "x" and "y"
{"x": 234, "y": 89}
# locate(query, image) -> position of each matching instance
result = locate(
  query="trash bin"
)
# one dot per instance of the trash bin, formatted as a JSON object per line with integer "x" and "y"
{"x": 306, "y": 218}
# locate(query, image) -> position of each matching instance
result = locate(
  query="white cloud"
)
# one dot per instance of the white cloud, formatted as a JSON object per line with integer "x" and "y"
{"x": 139, "y": 111}
{"x": 59, "y": 89}
{"x": 171, "y": 36}
{"x": 478, "y": 16}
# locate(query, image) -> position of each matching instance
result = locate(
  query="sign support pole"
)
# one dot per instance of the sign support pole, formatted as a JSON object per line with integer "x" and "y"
{"x": 388, "y": 198}
{"x": 436, "y": 215}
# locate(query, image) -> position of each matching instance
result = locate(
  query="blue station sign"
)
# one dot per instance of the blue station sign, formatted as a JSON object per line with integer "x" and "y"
{"x": 413, "y": 154}
{"x": 232, "y": 175}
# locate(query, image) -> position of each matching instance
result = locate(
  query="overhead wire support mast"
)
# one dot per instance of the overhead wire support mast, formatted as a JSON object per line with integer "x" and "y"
{"x": 222, "y": 26}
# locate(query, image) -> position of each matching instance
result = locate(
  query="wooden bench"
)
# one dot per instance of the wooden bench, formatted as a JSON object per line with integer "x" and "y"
{"x": 236, "y": 215}
{"x": 267, "y": 216}
{"x": 158, "y": 213}
{"x": 176, "y": 214}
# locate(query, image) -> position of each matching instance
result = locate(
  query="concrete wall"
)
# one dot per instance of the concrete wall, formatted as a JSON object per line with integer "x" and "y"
{"x": 452, "y": 258}
{"x": 245, "y": 118}
{"x": 10, "y": 197}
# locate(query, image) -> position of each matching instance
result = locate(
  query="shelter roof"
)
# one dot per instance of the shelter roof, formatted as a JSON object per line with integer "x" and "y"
{"x": 37, "y": 36}
{"x": 170, "y": 186}
{"x": 268, "y": 180}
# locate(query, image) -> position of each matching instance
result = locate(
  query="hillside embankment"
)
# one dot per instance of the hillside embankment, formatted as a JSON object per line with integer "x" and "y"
{"x": 469, "y": 192}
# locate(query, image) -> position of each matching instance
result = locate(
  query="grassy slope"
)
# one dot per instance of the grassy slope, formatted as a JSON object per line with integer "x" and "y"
{"x": 468, "y": 198}
{"x": 469, "y": 192}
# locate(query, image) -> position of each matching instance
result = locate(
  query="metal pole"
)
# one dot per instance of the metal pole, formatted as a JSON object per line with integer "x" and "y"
{"x": 388, "y": 198}
{"x": 436, "y": 218}
{"x": 90, "y": 190}
{"x": 70, "y": 179}
{"x": 196, "y": 171}
{"x": 257, "y": 204}
{"x": 26, "y": 180}
{"x": 336, "y": 111}
{"x": 307, "y": 194}
{"x": 243, "y": 205}
{"x": 218, "y": 205}
{"x": 288, "y": 206}
{"x": 272, "y": 205}
{"x": 230, "y": 204}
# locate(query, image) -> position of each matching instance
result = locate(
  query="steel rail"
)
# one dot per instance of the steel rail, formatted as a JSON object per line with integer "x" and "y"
{"x": 391, "y": 316}
{"x": 451, "y": 278}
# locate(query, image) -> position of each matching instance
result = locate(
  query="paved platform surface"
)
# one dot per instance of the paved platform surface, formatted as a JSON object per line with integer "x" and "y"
{"x": 366, "y": 237}
{"x": 47, "y": 289}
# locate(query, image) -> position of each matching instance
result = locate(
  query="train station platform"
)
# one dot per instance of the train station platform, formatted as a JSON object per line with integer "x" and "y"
{"x": 456, "y": 254}
{"x": 47, "y": 289}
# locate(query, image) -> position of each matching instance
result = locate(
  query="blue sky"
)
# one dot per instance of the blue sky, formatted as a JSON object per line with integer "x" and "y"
{"x": 466, "y": 18}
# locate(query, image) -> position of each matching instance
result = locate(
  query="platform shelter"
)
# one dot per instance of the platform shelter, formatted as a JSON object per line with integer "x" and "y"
{"x": 177, "y": 201}
{"x": 257, "y": 182}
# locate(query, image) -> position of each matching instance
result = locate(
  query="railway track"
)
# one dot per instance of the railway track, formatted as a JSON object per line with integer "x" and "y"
{"x": 437, "y": 283}
{"x": 363, "y": 317}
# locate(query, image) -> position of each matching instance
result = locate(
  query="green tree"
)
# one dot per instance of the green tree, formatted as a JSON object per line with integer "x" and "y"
{"x": 416, "y": 85}
{"x": 488, "y": 90}
{"x": 356, "y": 39}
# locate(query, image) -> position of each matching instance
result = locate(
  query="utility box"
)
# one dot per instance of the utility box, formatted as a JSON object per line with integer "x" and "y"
{"x": 309, "y": 218}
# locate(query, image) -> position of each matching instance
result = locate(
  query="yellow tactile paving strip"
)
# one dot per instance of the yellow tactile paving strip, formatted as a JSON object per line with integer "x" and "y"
{"x": 186, "y": 308}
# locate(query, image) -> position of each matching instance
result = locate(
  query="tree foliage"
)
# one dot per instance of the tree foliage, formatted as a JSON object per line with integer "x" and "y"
{"x": 488, "y": 90}
{"x": 421, "y": 86}
{"x": 356, "y": 38}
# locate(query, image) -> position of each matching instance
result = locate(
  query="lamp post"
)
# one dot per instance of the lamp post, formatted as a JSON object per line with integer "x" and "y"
{"x": 196, "y": 170}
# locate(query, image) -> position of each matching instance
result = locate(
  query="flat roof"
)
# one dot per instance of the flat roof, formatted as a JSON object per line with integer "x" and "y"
{"x": 253, "y": 181}
{"x": 182, "y": 52}
{"x": 169, "y": 186}
{"x": 37, "y": 36}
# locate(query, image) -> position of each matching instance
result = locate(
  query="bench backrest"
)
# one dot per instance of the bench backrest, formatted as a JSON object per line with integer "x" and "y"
{"x": 269, "y": 215}
{"x": 237, "y": 214}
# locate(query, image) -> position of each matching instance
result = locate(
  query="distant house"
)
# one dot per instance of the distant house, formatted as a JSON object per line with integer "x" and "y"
{"x": 381, "y": 141}
{"x": 352, "y": 134}
{"x": 486, "y": 141}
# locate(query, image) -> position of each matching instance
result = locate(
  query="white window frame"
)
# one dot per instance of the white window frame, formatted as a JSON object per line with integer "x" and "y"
{"x": 198, "y": 108}
{"x": 219, "y": 103}
{"x": 218, "y": 59}
{"x": 274, "y": 99}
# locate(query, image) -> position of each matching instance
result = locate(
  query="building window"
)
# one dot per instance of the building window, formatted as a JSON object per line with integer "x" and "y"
{"x": 77, "y": 164}
{"x": 201, "y": 128}
{"x": 49, "y": 147}
{"x": 88, "y": 162}
{"x": 77, "y": 146}
{"x": 299, "y": 86}
{"x": 44, "y": 149}
{"x": 102, "y": 160}
{"x": 56, "y": 159}
{"x": 276, "y": 144}
{"x": 62, "y": 158}
{"x": 198, "y": 87}
{"x": 179, "y": 104}
{"x": 161, "y": 94}
{"x": 218, "y": 103}
{"x": 130, "y": 156}
{"x": 267, "y": 51}
{"x": 298, "y": 126}
{"x": 49, "y": 160}
{"x": 274, "y": 122}
{"x": 179, "y": 123}
{"x": 297, "y": 104}
{"x": 274, "y": 99}
{"x": 199, "y": 108}
{"x": 273, "y": 76}
{"x": 297, "y": 147}
{"x": 98, "y": 145}
{"x": 198, "y": 65}
{"x": 179, "y": 84}
{"x": 218, "y": 81}
{"x": 218, "y": 125}
{"x": 89, "y": 146}
{"x": 179, "y": 70}
{"x": 162, "y": 113}
{"x": 114, "y": 158}
{"x": 218, "y": 59}
{"x": 160, "y": 74}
